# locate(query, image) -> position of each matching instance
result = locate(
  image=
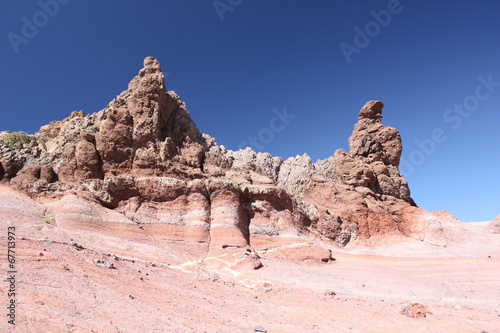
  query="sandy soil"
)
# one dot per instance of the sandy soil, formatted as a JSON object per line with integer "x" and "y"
{"x": 62, "y": 289}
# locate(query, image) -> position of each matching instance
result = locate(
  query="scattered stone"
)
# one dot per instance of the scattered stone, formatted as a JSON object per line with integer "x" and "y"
{"x": 101, "y": 263}
{"x": 78, "y": 247}
{"x": 257, "y": 265}
{"x": 260, "y": 329}
{"x": 415, "y": 310}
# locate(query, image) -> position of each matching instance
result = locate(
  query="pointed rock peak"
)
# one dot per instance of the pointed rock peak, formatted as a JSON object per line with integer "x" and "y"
{"x": 151, "y": 62}
{"x": 371, "y": 110}
{"x": 153, "y": 70}
{"x": 372, "y": 140}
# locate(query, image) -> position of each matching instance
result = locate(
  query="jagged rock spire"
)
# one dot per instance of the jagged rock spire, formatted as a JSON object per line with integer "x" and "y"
{"x": 144, "y": 146}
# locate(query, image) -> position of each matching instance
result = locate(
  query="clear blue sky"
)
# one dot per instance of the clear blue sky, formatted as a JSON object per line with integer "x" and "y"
{"x": 275, "y": 54}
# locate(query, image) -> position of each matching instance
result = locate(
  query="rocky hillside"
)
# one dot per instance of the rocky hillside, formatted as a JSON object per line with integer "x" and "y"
{"x": 132, "y": 220}
{"x": 143, "y": 158}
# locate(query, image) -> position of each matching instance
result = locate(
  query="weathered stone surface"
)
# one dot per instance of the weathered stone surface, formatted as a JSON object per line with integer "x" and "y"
{"x": 494, "y": 226}
{"x": 67, "y": 244}
{"x": 229, "y": 223}
{"x": 136, "y": 187}
{"x": 87, "y": 160}
{"x": 144, "y": 156}
{"x": 26, "y": 176}
{"x": 415, "y": 310}
{"x": 435, "y": 228}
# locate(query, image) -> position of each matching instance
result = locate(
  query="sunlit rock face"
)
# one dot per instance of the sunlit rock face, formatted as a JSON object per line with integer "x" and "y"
{"x": 142, "y": 166}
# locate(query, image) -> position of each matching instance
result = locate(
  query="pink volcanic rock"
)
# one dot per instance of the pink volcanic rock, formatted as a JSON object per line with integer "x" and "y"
{"x": 445, "y": 216}
{"x": 26, "y": 176}
{"x": 437, "y": 227}
{"x": 229, "y": 223}
{"x": 379, "y": 149}
{"x": 297, "y": 251}
{"x": 494, "y": 226}
{"x": 143, "y": 156}
{"x": 87, "y": 160}
{"x": 77, "y": 210}
{"x": 66, "y": 282}
{"x": 185, "y": 223}
{"x": 415, "y": 310}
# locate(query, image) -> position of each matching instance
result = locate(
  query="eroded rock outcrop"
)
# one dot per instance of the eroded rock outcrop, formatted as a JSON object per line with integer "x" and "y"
{"x": 494, "y": 226}
{"x": 142, "y": 157}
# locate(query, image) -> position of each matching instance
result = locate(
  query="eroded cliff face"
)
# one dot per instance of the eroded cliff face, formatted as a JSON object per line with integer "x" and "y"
{"x": 145, "y": 163}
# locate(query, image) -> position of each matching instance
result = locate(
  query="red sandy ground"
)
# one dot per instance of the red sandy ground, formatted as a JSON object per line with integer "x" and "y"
{"x": 61, "y": 289}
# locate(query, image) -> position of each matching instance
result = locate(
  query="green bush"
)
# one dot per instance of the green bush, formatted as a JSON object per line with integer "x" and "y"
{"x": 16, "y": 139}
{"x": 42, "y": 138}
{"x": 93, "y": 129}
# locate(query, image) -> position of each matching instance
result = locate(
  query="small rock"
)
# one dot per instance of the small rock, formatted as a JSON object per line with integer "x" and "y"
{"x": 260, "y": 329}
{"x": 257, "y": 265}
{"x": 78, "y": 247}
{"x": 414, "y": 310}
{"x": 330, "y": 293}
{"x": 104, "y": 264}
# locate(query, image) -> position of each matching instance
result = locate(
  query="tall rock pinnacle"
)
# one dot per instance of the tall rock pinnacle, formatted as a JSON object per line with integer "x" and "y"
{"x": 135, "y": 126}
{"x": 144, "y": 147}
{"x": 378, "y": 148}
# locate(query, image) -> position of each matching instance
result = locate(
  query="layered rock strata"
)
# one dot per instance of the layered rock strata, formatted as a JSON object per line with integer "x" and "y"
{"x": 144, "y": 160}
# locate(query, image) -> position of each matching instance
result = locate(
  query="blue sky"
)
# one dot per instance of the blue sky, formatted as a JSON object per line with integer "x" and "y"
{"x": 276, "y": 55}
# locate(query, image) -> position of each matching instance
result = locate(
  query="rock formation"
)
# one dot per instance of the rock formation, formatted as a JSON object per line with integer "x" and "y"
{"x": 494, "y": 226}
{"x": 130, "y": 219}
{"x": 144, "y": 159}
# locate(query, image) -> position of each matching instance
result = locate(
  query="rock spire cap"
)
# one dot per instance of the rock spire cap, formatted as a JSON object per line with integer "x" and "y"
{"x": 371, "y": 110}
{"x": 151, "y": 62}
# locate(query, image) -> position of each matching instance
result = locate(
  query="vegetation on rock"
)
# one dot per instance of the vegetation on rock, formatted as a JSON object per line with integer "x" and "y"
{"x": 16, "y": 139}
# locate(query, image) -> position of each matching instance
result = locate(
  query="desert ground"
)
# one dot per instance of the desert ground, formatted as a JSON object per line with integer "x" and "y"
{"x": 75, "y": 280}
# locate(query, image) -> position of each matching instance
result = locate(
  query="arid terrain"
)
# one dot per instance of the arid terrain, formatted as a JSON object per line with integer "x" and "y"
{"x": 154, "y": 287}
{"x": 132, "y": 220}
